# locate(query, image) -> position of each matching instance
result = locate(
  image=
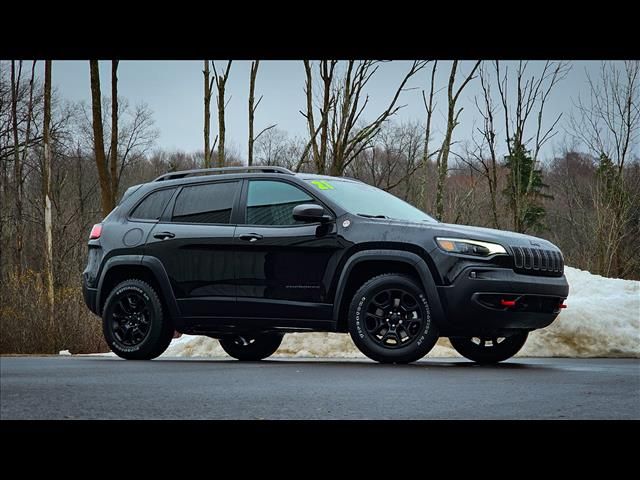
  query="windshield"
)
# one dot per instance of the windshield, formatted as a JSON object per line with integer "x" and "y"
{"x": 367, "y": 201}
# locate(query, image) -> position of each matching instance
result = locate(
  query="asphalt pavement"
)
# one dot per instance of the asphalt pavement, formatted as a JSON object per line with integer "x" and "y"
{"x": 94, "y": 387}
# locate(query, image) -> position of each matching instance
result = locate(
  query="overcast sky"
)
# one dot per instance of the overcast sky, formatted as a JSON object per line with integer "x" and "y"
{"x": 174, "y": 90}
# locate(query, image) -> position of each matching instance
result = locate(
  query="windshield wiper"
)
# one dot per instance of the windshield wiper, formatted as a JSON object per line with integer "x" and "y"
{"x": 371, "y": 216}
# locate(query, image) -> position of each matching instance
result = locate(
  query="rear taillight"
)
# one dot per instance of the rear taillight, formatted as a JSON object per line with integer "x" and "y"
{"x": 96, "y": 231}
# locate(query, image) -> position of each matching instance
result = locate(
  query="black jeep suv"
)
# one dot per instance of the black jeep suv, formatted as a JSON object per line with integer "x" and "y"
{"x": 247, "y": 254}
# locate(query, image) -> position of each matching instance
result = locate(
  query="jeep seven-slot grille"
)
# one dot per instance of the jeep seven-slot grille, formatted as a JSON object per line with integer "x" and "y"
{"x": 537, "y": 261}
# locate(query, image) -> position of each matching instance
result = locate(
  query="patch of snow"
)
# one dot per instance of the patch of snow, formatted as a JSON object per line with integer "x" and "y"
{"x": 602, "y": 320}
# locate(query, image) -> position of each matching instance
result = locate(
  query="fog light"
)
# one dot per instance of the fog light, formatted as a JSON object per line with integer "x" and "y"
{"x": 473, "y": 275}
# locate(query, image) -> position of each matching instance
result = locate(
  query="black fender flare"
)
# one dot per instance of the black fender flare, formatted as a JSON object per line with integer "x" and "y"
{"x": 157, "y": 270}
{"x": 409, "y": 258}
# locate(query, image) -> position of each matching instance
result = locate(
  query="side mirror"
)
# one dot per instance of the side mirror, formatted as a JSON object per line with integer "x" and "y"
{"x": 310, "y": 212}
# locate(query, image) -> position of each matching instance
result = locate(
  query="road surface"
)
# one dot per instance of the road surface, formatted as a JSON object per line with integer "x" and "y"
{"x": 93, "y": 387}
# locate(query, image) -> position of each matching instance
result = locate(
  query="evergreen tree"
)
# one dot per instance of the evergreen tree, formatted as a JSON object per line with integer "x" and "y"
{"x": 525, "y": 190}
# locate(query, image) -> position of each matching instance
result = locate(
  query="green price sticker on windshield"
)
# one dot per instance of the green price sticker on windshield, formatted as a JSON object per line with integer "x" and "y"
{"x": 323, "y": 185}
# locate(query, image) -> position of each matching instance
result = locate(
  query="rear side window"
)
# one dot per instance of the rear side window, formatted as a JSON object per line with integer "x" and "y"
{"x": 151, "y": 208}
{"x": 271, "y": 203}
{"x": 211, "y": 203}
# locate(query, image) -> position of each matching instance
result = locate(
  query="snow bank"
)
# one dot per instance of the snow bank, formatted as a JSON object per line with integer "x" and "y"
{"x": 602, "y": 320}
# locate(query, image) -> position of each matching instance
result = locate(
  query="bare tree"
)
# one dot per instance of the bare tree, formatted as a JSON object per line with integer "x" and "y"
{"x": 208, "y": 87}
{"x": 319, "y": 148}
{"x": 608, "y": 124}
{"x": 442, "y": 160}
{"x": 98, "y": 139}
{"x": 483, "y": 157}
{"x": 531, "y": 95}
{"x": 113, "y": 151}
{"x": 253, "y": 106}
{"x": 343, "y": 133}
{"x": 17, "y": 168}
{"x": 426, "y": 151}
{"x": 347, "y": 140}
{"x": 221, "y": 82}
{"x": 127, "y": 138}
{"x": 46, "y": 191}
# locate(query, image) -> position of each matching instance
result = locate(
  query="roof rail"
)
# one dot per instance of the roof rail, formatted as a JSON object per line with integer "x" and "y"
{"x": 186, "y": 173}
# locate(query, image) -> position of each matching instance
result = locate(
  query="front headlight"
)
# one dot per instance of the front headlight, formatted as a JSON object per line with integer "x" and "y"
{"x": 470, "y": 247}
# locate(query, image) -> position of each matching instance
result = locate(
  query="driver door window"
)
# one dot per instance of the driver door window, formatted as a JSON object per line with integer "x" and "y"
{"x": 271, "y": 203}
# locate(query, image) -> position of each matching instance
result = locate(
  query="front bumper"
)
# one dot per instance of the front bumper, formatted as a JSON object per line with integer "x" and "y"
{"x": 472, "y": 304}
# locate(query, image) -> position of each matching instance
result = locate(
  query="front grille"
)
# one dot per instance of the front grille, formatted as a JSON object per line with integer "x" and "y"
{"x": 537, "y": 261}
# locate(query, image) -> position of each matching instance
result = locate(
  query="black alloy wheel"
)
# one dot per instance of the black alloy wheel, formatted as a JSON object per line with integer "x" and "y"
{"x": 131, "y": 319}
{"x": 393, "y": 318}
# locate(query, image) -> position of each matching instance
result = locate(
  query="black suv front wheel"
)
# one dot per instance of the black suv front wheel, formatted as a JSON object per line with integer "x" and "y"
{"x": 390, "y": 321}
{"x": 488, "y": 350}
{"x": 134, "y": 323}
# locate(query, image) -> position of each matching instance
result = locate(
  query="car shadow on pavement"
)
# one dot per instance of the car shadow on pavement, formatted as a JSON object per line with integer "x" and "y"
{"x": 341, "y": 363}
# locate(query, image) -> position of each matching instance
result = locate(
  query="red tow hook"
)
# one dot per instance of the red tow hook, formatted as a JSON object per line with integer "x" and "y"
{"x": 508, "y": 303}
{"x": 562, "y": 305}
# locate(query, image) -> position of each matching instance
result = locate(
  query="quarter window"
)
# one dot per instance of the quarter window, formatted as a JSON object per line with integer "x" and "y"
{"x": 210, "y": 203}
{"x": 151, "y": 208}
{"x": 271, "y": 203}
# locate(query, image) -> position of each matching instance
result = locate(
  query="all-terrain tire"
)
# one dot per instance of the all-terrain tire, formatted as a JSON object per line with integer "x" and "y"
{"x": 373, "y": 334}
{"x": 489, "y": 350}
{"x": 251, "y": 347}
{"x": 134, "y": 323}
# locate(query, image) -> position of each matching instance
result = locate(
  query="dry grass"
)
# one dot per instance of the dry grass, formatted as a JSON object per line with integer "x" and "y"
{"x": 25, "y": 328}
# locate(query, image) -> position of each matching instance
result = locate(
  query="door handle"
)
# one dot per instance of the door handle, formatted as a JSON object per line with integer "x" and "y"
{"x": 163, "y": 235}
{"x": 250, "y": 237}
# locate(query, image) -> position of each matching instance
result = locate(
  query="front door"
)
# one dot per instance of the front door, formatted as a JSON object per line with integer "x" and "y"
{"x": 194, "y": 240}
{"x": 282, "y": 263}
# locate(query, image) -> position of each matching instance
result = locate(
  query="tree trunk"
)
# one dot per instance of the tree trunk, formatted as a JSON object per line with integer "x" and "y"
{"x": 313, "y": 144}
{"x": 221, "y": 128}
{"x": 326, "y": 73}
{"x": 443, "y": 156}
{"x": 98, "y": 139}
{"x": 46, "y": 181}
{"x": 207, "y": 115}
{"x": 221, "y": 81}
{"x": 114, "y": 133}
{"x": 452, "y": 121}
{"x": 252, "y": 108}
{"x": 426, "y": 153}
{"x": 17, "y": 167}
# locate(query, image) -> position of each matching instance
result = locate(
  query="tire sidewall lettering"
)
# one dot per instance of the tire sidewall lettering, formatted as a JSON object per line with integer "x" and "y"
{"x": 361, "y": 303}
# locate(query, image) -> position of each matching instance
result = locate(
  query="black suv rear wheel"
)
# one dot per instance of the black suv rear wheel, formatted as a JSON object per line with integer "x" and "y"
{"x": 255, "y": 346}
{"x": 389, "y": 320}
{"x": 134, "y": 323}
{"x": 489, "y": 349}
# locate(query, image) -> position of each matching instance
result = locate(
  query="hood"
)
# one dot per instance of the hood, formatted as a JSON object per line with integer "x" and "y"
{"x": 493, "y": 235}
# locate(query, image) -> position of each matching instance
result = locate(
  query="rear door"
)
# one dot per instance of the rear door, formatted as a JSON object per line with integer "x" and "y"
{"x": 282, "y": 264}
{"x": 194, "y": 242}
